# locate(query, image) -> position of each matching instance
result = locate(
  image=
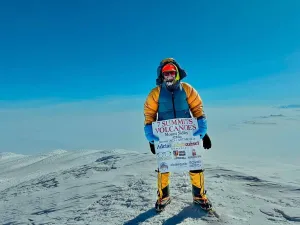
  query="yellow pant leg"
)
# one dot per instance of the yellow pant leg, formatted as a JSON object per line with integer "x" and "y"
{"x": 197, "y": 181}
{"x": 163, "y": 181}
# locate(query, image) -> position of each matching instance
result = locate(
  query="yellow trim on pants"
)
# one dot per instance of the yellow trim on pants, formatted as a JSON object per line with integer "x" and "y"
{"x": 163, "y": 180}
{"x": 197, "y": 179}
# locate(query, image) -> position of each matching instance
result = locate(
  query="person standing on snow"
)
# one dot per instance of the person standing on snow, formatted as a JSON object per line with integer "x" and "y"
{"x": 170, "y": 99}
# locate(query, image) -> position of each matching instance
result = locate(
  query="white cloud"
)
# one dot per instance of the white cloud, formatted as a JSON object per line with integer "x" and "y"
{"x": 86, "y": 124}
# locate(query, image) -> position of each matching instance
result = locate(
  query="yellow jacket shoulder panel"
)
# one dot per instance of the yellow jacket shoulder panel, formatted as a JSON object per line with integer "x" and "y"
{"x": 194, "y": 100}
{"x": 151, "y": 105}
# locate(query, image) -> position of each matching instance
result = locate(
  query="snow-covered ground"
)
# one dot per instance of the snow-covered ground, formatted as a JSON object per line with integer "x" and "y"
{"x": 252, "y": 176}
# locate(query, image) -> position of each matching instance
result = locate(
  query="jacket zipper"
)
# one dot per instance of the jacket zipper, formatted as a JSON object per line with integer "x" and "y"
{"x": 173, "y": 104}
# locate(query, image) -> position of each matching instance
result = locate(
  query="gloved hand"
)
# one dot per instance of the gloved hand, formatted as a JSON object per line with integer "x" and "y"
{"x": 202, "y": 127}
{"x": 152, "y": 148}
{"x": 206, "y": 142}
{"x": 149, "y": 133}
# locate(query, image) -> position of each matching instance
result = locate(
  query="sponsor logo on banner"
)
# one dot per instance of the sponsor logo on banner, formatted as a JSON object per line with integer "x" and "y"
{"x": 194, "y": 163}
{"x": 161, "y": 146}
{"x": 181, "y": 153}
{"x": 192, "y": 143}
{"x": 179, "y": 145}
{"x": 163, "y": 166}
{"x": 194, "y": 155}
{"x": 177, "y": 154}
{"x": 164, "y": 155}
{"x": 194, "y": 152}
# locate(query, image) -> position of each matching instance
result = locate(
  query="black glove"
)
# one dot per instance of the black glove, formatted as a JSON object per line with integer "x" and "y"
{"x": 152, "y": 148}
{"x": 206, "y": 142}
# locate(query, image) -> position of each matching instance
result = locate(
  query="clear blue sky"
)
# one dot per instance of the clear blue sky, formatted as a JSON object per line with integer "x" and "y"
{"x": 69, "y": 50}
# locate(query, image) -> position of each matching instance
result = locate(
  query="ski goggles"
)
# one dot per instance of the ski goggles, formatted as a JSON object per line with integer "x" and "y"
{"x": 169, "y": 73}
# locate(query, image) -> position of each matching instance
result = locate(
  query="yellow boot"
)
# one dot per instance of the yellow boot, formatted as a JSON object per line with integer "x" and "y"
{"x": 163, "y": 192}
{"x": 198, "y": 191}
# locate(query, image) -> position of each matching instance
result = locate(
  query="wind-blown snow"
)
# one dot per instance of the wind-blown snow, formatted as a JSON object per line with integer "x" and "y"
{"x": 245, "y": 182}
{"x": 9, "y": 155}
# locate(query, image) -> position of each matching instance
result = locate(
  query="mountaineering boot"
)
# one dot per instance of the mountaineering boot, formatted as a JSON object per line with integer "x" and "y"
{"x": 163, "y": 192}
{"x": 162, "y": 203}
{"x": 199, "y": 194}
{"x": 203, "y": 202}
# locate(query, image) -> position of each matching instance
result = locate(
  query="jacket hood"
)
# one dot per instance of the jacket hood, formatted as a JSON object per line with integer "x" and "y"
{"x": 159, "y": 79}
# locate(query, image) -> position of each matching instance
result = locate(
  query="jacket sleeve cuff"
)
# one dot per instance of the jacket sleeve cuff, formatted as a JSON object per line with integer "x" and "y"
{"x": 201, "y": 117}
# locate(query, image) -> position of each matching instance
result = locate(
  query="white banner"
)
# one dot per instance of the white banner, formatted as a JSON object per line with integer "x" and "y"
{"x": 177, "y": 148}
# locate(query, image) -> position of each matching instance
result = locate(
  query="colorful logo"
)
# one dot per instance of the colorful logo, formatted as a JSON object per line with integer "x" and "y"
{"x": 178, "y": 153}
{"x": 179, "y": 145}
{"x": 193, "y": 152}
